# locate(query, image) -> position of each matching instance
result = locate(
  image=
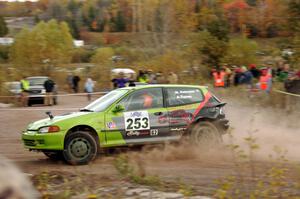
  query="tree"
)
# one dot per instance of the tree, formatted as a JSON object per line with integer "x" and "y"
{"x": 296, "y": 49}
{"x": 241, "y": 51}
{"x": 120, "y": 23}
{"x": 219, "y": 28}
{"x": 211, "y": 49}
{"x": 294, "y": 15}
{"x": 103, "y": 65}
{"x": 57, "y": 10}
{"x": 45, "y": 46}
{"x": 3, "y": 27}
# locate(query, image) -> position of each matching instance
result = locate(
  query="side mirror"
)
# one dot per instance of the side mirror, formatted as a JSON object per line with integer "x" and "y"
{"x": 118, "y": 108}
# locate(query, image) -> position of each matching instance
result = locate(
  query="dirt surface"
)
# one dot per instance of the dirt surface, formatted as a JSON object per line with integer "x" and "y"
{"x": 196, "y": 167}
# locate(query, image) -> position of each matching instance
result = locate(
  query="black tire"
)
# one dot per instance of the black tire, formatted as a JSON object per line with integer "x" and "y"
{"x": 54, "y": 155}
{"x": 205, "y": 134}
{"x": 80, "y": 148}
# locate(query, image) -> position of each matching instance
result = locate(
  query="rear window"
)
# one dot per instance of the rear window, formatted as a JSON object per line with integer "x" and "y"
{"x": 183, "y": 96}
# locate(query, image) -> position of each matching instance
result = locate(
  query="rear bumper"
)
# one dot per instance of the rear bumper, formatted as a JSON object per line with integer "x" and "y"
{"x": 50, "y": 141}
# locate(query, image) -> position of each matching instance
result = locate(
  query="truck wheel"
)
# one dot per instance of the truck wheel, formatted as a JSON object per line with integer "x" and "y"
{"x": 54, "y": 155}
{"x": 80, "y": 148}
{"x": 205, "y": 134}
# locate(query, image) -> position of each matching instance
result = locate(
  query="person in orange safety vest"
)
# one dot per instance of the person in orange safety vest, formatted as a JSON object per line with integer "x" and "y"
{"x": 264, "y": 80}
{"x": 219, "y": 78}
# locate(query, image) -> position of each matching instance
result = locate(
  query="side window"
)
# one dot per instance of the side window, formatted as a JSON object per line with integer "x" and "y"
{"x": 143, "y": 99}
{"x": 182, "y": 96}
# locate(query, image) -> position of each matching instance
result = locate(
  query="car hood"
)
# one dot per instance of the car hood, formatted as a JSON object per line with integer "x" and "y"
{"x": 47, "y": 122}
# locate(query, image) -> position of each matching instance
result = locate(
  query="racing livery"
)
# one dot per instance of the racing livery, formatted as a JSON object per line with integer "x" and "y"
{"x": 130, "y": 116}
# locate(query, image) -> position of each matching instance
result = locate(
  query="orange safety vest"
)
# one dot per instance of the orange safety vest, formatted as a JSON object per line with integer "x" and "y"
{"x": 219, "y": 79}
{"x": 148, "y": 101}
{"x": 263, "y": 80}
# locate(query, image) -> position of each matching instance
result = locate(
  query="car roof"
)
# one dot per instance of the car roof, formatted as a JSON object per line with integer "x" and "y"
{"x": 164, "y": 86}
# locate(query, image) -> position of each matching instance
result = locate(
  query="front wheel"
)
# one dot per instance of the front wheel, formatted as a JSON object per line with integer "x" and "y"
{"x": 205, "y": 134}
{"x": 80, "y": 148}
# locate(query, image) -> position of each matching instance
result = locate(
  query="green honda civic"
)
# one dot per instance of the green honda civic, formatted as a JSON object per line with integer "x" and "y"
{"x": 130, "y": 116}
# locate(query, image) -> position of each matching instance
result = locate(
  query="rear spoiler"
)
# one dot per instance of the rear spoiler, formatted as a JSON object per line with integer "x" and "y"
{"x": 221, "y": 104}
{"x": 218, "y": 105}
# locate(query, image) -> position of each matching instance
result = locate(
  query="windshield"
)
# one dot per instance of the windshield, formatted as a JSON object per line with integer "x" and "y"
{"x": 36, "y": 81}
{"x": 105, "y": 101}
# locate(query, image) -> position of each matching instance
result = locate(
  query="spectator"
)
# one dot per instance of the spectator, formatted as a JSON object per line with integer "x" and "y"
{"x": 70, "y": 82}
{"x": 152, "y": 77}
{"x": 76, "y": 80}
{"x": 297, "y": 74}
{"x": 228, "y": 74}
{"x": 121, "y": 81}
{"x": 114, "y": 82}
{"x": 160, "y": 78}
{"x": 283, "y": 74}
{"x": 89, "y": 88}
{"x": 142, "y": 77}
{"x": 246, "y": 77}
{"x": 25, "y": 90}
{"x": 49, "y": 86}
{"x": 237, "y": 75}
{"x": 131, "y": 81}
{"x": 172, "y": 78}
{"x": 255, "y": 71}
{"x": 265, "y": 80}
{"x": 219, "y": 78}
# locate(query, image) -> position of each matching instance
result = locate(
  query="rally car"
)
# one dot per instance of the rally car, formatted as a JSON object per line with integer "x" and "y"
{"x": 130, "y": 116}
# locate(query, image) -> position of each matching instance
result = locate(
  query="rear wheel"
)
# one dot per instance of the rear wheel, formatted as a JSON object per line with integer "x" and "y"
{"x": 54, "y": 155}
{"x": 80, "y": 148}
{"x": 205, "y": 134}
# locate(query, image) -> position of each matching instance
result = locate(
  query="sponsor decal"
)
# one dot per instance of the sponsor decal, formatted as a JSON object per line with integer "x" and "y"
{"x": 178, "y": 129}
{"x": 132, "y": 133}
{"x": 185, "y": 94}
{"x": 154, "y": 132}
{"x": 111, "y": 125}
{"x": 137, "y": 133}
{"x": 180, "y": 116}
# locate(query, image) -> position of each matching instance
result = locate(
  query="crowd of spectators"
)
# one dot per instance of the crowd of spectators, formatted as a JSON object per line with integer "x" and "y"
{"x": 253, "y": 76}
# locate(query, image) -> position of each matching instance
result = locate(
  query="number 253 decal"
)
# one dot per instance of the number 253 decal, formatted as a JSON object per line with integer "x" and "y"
{"x": 137, "y": 120}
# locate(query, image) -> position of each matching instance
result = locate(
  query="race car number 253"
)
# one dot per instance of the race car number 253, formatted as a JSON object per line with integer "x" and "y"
{"x": 136, "y": 120}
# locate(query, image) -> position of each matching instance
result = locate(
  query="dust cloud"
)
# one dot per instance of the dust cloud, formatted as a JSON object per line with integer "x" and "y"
{"x": 271, "y": 129}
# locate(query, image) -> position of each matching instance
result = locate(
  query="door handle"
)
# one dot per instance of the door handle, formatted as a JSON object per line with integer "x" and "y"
{"x": 158, "y": 113}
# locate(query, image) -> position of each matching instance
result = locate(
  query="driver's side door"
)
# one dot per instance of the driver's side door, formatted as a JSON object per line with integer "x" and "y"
{"x": 143, "y": 120}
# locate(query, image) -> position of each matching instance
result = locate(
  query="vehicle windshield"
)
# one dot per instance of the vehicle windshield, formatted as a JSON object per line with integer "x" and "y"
{"x": 37, "y": 81}
{"x": 105, "y": 101}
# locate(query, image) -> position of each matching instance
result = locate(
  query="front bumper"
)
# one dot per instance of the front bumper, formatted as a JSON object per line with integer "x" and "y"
{"x": 48, "y": 141}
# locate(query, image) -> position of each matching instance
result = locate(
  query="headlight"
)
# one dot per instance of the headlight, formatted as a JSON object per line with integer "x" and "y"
{"x": 43, "y": 91}
{"x": 222, "y": 111}
{"x": 49, "y": 129}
